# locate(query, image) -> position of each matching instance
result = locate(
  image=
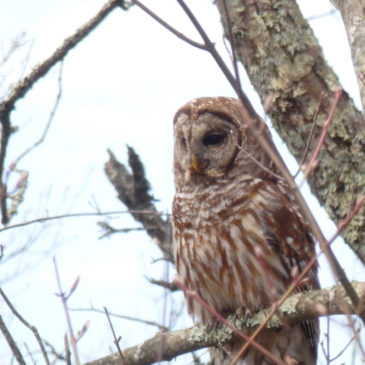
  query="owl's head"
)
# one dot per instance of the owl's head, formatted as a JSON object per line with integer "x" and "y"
{"x": 212, "y": 142}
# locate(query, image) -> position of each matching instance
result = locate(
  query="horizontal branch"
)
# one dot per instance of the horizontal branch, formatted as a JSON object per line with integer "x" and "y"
{"x": 78, "y": 215}
{"x": 299, "y": 307}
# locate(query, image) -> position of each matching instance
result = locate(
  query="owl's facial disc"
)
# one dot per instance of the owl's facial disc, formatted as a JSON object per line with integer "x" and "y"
{"x": 208, "y": 145}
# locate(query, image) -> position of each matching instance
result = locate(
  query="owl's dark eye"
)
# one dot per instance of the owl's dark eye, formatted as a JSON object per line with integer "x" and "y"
{"x": 183, "y": 142}
{"x": 213, "y": 139}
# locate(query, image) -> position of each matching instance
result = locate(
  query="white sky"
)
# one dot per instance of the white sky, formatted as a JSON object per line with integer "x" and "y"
{"x": 122, "y": 85}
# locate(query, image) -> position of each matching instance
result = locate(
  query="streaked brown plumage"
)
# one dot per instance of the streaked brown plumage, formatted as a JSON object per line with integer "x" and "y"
{"x": 237, "y": 232}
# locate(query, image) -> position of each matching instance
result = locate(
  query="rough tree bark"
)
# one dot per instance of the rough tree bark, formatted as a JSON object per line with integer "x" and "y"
{"x": 284, "y": 61}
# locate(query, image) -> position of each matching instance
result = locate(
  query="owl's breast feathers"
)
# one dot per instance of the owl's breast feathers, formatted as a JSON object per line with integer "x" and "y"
{"x": 239, "y": 246}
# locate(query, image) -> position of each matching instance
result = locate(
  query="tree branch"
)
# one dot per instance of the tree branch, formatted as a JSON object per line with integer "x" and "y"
{"x": 11, "y": 342}
{"x": 133, "y": 190}
{"x": 297, "y": 308}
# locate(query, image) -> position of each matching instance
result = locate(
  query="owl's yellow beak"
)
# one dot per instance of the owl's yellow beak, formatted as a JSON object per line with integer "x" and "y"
{"x": 194, "y": 163}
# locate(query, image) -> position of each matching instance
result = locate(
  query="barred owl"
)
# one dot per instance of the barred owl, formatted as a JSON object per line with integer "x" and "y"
{"x": 238, "y": 236}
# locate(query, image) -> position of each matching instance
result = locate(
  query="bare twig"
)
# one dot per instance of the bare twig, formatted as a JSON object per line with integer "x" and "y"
{"x": 24, "y": 85}
{"x": 67, "y": 350}
{"x": 50, "y": 118}
{"x": 344, "y": 349}
{"x": 26, "y": 324}
{"x": 15, "y": 43}
{"x": 11, "y": 342}
{"x": 109, "y": 230}
{"x": 309, "y": 139}
{"x": 165, "y": 284}
{"x": 342, "y": 225}
{"x": 52, "y": 350}
{"x": 233, "y": 52}
{"x": 168, "y": 26}
{"x": 64, "y": 298}
{"x": 219, "y": 60}
{"x": 313, "y": 162}
{"x": 121, "y": 316}
{"x": 116, "y": 340}
{"x": 76, "y": 215}
{"x": 29, "y": 353}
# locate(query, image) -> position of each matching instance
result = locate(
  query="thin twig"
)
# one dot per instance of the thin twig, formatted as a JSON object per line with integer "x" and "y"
{"x": 67, "y": 350}
{"x": 121, "y": 316}
{"x": 344, "y": 349}
{"x": 50, "y": 118}
{"x": 171, "y": 286}
{"x": 24, "y": 85}
{"x": 168, "y": 26}
{"x": 63, "y": 297}
{"x": 309, "y": 140}
{"x": 75, "y": 215}
{"x": 218, "y": 59}
{"x": 11, "y": 342}
{"x": 342, "y": 225}
{"x": 5, "y": 134}
{"x": 313, "y": 162}
{"x": 116, "y": 340}
{"x": 231, "y": 42}
{"x": 53, "y": 351}
{"x": 26, "y": 324}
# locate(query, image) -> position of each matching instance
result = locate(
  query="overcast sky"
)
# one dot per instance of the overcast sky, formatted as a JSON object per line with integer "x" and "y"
{"x": 122, "y": 85}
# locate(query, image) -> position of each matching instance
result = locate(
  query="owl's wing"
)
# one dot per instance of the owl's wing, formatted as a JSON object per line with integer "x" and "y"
{"x": 290, "y": 239}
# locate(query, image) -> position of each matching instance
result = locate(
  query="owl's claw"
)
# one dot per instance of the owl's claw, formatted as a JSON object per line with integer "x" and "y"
{"x": 212, "y": 324}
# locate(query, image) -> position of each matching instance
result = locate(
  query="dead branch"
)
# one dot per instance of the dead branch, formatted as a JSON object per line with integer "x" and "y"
{"x": 133, "y": 190}
{"x": 297, "y": 308}
{"x": 49, "y": 122}
{"x": 78, "y": 215}
{"x": 121, "y": 316}
{"x": 11, "y": 342}
{"x": 28, "y": 325}
{"x": 116, "y": 340}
